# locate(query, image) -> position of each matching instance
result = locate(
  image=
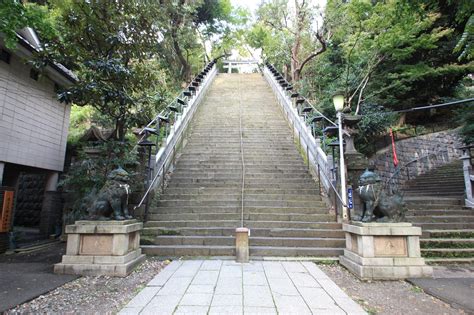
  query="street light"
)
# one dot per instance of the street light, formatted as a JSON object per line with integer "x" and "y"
{"x": 338, "y": 101}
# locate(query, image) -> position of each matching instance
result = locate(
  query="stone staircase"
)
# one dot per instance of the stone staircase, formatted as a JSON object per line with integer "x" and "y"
{"x": 201, "y": 206}
{"x": 435, "y": 202}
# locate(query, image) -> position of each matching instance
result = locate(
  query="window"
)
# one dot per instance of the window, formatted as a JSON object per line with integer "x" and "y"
{"x": 34, "y": 74}
{"x": 5, "y": 56}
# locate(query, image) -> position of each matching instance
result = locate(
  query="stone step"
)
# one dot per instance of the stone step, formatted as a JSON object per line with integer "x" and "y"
{"x": 248, "y": 173}
{"x": 181, "y": 175}
{"x": 247, "y": 203}
{"x": 229, "y": 191}
{"x": 448, "y": 252}
{"x": 448, "y": 233}
{"x": 447, "y": 243}
{"x": 434, "y": 212}
{"x": 446, "y": 226}
{"x": 237, "y": 216}
{"x": 255, "y": 232}
{"x": 237, "y": 209}
{"x": 237, "y": 184}
{"x": 178, "y": 240}
{"x": 249, "y": 224}
{"x": 432, "y": 201}
{"x": 443, "y": 218}
{"x": 238, "y": 166}
{"x": 448, "y": 261}
{"x": 247, "y": 197}
{"x": 273, "y": 251}
{"x": 196, "y": 250}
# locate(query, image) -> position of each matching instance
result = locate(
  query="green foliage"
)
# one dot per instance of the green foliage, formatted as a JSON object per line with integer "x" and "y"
{"x": 91, "y": 173}
{"x": 15, "y": 16}
{"x": 375, "y": 122}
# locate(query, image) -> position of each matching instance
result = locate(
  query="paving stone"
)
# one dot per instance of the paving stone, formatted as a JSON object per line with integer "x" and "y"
{"x": 349, "y": 306}
{"x": 314, "y": 270}
{"x": 229, "y": 286}
{"x": 251, "y": 310}
{"x": 206, "y": 277}
{"x": 282, "y": 286}
{"x": 130, "y": 311}
{"x": 162, "y": 277}
{"x": 255, "y": 278}
{"x": 143, "y": 297}
{"x": 231, "y": 272}
{"x": 261, "y": 290}
{"x": 293, "y": 267}
{"x": 211, "y": 265}
{"x": 175, "y": 286}
{"x": 258, "y": 296}
{"x": 189, "y": 309}
{"x": 200, "y": 299}
{"x": 331, "y": 288}
{"x": 290, "y": 304}
{"x": 200, "y": 288}
{"x": 318, "y": 298}
{"x": 304, "y": 280}
{"x": 253, "y": 266}
{"x": 227, "y": 300}
{"x": 274, "y": 270}
{"x": 215, "y": 310}
{"x": 174, "y": 265}
{"x": 162, "y": 304}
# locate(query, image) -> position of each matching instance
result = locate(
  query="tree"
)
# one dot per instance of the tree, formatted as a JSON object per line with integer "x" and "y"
{"x": 111, "y": 46}
{"x": 295, "y": 25}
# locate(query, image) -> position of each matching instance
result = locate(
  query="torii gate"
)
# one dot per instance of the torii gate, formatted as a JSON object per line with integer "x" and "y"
{"x": 240, "y": 65}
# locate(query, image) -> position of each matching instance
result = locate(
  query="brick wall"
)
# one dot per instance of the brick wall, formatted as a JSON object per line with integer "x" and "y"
{"x": 440, "y": 147}
{"x": 33, "y": 124}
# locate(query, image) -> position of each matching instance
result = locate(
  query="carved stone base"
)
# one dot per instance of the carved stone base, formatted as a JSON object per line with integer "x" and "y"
{"x": 386, "y": 251}
{"x": 109, "y": 248}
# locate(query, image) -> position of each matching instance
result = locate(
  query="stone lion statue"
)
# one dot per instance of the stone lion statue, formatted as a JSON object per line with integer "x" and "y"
{"x": 111, "y": 201}
{"x": 378, "y": 205}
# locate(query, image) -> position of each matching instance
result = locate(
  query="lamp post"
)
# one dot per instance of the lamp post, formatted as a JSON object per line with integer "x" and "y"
{"x": 338, "y": 101}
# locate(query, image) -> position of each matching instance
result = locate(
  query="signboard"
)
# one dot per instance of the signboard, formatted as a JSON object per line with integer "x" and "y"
{"x": 349, "y": 198}
{"x": 7, "y": 210}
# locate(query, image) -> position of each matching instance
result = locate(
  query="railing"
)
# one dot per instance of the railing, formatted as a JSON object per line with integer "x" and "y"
{"x": 301, "y": 114}
{"x": 395, "y": 182}
{"x": 467, "y": 158}
{"x": 173, "y": 122}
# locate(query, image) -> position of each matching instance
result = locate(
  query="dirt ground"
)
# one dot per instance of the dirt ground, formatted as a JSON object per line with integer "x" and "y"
{"x": 388, "y": 297}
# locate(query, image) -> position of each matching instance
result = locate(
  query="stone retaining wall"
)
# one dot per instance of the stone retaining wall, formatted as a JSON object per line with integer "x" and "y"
{"x": 418, "y": 155}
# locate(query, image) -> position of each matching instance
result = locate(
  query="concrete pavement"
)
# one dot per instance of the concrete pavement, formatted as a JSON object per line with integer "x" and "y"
{"x": 227, "y": 287}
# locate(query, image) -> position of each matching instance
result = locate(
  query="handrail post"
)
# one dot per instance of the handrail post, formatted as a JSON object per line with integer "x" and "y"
{"x": 468, "y": 177}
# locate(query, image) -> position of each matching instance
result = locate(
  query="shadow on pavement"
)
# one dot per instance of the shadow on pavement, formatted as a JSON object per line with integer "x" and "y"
{"x": 25, "y": 276}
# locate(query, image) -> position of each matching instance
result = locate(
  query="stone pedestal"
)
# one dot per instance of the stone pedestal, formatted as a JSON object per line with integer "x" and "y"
{"x": 385, "y": 251}
{"x": 109, "y": 248}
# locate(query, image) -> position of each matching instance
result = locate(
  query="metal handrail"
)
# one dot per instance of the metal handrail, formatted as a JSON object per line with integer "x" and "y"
{"x": 283, "y": 91}
{"x": 177, "y": 135}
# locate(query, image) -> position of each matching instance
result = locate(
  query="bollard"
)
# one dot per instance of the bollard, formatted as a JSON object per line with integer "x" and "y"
{"x": 242, "y": 244}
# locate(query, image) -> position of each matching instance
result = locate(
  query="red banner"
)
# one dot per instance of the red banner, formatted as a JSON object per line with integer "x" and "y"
{"x": 394, "y": 150}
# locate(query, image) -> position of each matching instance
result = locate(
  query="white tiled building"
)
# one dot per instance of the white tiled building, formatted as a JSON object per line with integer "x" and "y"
{"x": 33, "y": 123}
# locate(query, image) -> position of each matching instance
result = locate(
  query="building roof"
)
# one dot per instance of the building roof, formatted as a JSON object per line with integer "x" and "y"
{"x": 28, "y": 43}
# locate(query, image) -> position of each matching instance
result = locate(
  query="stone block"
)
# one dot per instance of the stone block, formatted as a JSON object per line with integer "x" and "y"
{"x": 389, "y": 246}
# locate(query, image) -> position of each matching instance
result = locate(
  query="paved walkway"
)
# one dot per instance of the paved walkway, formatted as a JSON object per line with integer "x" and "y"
{"x": 226, "y": 287}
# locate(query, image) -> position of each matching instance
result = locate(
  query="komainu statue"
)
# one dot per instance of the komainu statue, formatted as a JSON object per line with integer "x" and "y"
{"x": 111, "y": 201}
{"x": 378, "y": 205}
